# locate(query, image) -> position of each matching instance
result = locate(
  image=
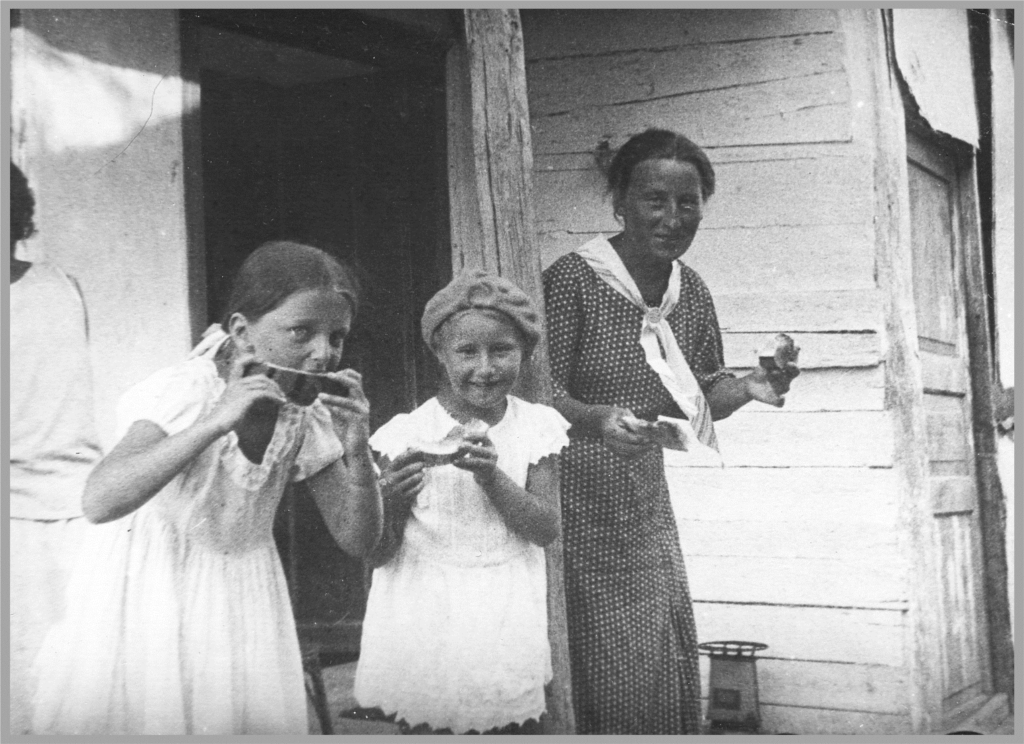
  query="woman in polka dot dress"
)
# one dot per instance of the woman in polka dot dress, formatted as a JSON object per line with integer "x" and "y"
{"x": 632, "y": 639}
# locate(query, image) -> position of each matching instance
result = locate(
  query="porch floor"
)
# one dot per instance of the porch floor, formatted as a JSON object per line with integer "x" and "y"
{"x": 994, "y": 717}
{"x": 339, "y": 680}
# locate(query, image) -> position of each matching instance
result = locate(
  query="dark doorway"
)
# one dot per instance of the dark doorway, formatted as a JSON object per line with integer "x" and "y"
{"x": 329, "y": 127}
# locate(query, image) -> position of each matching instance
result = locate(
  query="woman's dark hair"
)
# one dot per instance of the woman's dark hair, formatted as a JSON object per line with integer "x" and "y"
{"x": 278, "y": 269}
{"x": 23, "y": 206}
{"x": 658, "y": 144}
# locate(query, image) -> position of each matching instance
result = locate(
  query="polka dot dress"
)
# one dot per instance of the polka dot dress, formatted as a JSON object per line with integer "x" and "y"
{"x": 632, "y": 639}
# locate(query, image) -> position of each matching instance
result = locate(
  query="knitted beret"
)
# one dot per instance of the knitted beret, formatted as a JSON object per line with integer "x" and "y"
{"x": 475, "y": 289}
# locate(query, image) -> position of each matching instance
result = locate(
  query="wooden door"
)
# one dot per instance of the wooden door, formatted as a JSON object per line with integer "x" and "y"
{"x": 939, "y": 288}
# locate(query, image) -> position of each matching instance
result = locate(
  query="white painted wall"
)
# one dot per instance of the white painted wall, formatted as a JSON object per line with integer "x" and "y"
{"x": 97, "y": 111}
{"x": 932, "y": 48}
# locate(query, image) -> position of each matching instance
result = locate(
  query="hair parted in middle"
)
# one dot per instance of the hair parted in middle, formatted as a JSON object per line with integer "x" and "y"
{"x": 658, "y": 144}
{"x": 280, "y": 268}
{"x": 475, "y": 289}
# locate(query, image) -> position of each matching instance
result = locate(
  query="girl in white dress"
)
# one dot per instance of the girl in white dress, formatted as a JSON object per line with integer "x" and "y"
{"x": 455, "y": 634}
{"x": 179, "y": 619}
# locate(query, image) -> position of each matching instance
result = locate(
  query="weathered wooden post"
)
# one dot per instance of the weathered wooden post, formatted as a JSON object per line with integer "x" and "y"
{"x": 492, "y": 227}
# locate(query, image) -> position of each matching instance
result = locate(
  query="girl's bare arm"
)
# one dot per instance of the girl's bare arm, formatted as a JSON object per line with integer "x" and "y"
{"x": 401, "y": 481}
{"x": 347, "y": 496}
{"x": 530, "y": 512}
{"x": 346, "y": 492}
{"x": 146, "y": 459}
{"x": 142, "y": 463}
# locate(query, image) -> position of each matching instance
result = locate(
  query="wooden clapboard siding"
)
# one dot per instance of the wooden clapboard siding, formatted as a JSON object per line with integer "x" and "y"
{"x": 647, "y": 75}
{"x": 818, "y": 634}
{"x": 887, "y": 132}
{"x": 778, "y": 494}
{"x": 863, "y": 688}
{"x": 743, "y": 538}
{"x": 825, "y": 390}
{"x": 776, "y": 258}
{"x": 785, "y": 258}
{"x": 817, "y": 720}
{"x": 818, "y": 351}
{"x": 559, "y": 33}
{"x": 758, "y": 436}
{"x": 837, "y": 310}
{"x": 796, "y": 543}
{"x": 791, "y": 110}
{"x": 868, "y": 581}
{"x": 752, "y": 194}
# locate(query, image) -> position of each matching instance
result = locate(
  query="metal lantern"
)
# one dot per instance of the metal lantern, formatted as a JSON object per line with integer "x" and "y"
{"x": 732, "y": 698}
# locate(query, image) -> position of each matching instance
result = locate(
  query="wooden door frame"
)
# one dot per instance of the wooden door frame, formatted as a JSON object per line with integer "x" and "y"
{"x": 982, "y": 373}
{"x": 904, "y": 396}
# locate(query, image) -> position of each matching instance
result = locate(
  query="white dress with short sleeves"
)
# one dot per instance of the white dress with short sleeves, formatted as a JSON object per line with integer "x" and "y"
{"x": 179, "y": 618}
{"x": 455, "y": 633}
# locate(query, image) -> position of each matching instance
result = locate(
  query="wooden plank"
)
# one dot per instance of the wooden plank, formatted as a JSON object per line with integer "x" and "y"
{"x": 559, "y": 161}
{"x": 867, "y": 34}
{"x": 467, "y": 232}
{"x": 963, "y": 626}
{"x": 943, "y": 374}
{"x": 564, "y": 33}
{"x": 785, "y": 258}
{"x": 494, "y": 116}
{"x": 873, "y": 581}
{"x": 817, "y": 352}
{"x": 769, "y": 495}
{"x": 565, "y": 84}
{"x": 933, "y": 251}
{"x": 811, "y": 191}
{"x": 792, "y": 110}
{"x": 782, "y": 719}
{"x": 997, "y": 555}
{"x": 991, "y": 552}
{"x": 758, "y": 436}
{"x": 808, "y": 633}
{"x": 947, "y": 436}
{"x": 785, "y": 539}
{"x": 838, "y": 310}
{"x": 775, "y": 259}
{"x": 503, "y": 156}
{"x": 952, "y": 494}
{"x": 853, "y": 687}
